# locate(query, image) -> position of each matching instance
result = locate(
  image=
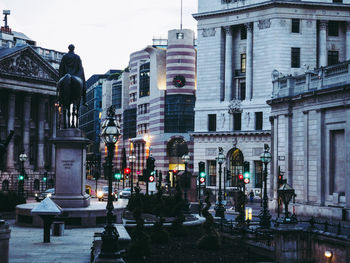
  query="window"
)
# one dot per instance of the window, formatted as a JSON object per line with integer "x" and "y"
{"x": 211, "y": 173}
{"x": 129, "y": 121}
{"x": 179, "y": 113}
{"x": 258, "y": 120}
{"x": 333, "y": 57}
{"x": 333, "y": 28}
{"x": 242, "y": 90}
{"x": 295, "y": 25}
{"x": 180, "y": 35}
{"x": 211, "y": 122}
{"x": 295, "y": 57}
{"x": 144, "y": 79}
{"x": 132, "y": 97}
{"x": 237, "y": 121}
{"x": 243, "y": 62}
{"x": 243, "y": 32}
{"x": 117, "y": 94}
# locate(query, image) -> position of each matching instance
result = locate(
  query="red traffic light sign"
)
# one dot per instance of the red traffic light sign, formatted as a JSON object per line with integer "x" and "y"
{"x": 240, "y": 176}
{"x": 151, "y": 179}
{"x": 202, "y": 179}
{"x": 127, "y": 170}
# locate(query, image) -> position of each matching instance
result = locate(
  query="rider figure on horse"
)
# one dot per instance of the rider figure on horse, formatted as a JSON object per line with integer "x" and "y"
{"x": 71, "y": 64}
{"x": 71, "y": 87}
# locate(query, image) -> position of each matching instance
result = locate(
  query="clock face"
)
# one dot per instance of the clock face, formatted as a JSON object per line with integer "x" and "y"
{"x": 179, "y": 81}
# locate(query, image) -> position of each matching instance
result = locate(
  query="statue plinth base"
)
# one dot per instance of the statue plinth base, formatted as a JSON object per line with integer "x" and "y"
{"x": 70, "y": 168}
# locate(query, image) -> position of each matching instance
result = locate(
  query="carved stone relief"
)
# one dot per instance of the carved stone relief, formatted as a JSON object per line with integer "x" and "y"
{"x": 266, "y": 23}
{"x": 24, "y": 65}
{"x": 208, "y": 32}
{"x": 235, "y": 107}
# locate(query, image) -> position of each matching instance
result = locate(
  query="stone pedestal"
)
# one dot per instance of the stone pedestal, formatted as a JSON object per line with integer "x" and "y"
{"x": 4, "y": 242}
{"x": 288, "y": 244}
{"x": 70, "y": 169}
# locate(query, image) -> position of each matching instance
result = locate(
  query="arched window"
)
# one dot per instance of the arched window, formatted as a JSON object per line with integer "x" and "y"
{"x": 5, "y": 185}
{"x": 176, "y": 148}
{"x": 236, "y": 166}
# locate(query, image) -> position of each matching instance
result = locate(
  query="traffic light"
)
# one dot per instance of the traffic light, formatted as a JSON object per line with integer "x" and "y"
{"x": 117, "y": 174}
{"x": 150, "y": 168}
{"x": 228, "y": 175}
{"x": 45, "y": 177}
{"x": 240, "y": 177}
{"x": 201, "y": 167}
{"x": 127, "y": 171}
{"x": 20, "y": 177}
{"x": 281, "y": 181}
{"x": 246, "y": 172}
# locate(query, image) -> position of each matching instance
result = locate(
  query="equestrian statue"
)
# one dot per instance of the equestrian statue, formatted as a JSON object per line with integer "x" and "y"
{"x": 71, "y": 87}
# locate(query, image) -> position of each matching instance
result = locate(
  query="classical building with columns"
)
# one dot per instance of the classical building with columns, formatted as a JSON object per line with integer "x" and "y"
{"x": 310, "y": 116}
{"x": 154, "y": 103}
{"x": 242, "y": 45}
{"x": 27, "y": 98}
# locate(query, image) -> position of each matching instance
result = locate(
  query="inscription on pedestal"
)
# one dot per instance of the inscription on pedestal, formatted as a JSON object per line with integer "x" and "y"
{"x": 67, "y": 164}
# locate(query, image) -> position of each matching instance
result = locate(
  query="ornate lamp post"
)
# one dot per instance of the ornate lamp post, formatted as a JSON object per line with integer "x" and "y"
{"x": 132, "y": 160}
{"x": 220, "y": 209}
{"x": 185, "y": 159}
{"x": 264, "y": 215}
{"x": 22, "y": 157}
{"x": 286, "y": 192}
{"x": 110, "y": 134}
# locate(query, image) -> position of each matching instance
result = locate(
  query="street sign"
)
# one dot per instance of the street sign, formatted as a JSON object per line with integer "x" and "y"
{"x": 152, "y": 187}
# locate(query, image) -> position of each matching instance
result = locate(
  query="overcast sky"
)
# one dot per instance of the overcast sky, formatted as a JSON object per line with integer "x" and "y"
{"x": 104, "y": 32}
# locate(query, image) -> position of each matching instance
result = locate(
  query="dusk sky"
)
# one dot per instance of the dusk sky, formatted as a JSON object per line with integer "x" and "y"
{"x": 104, "y": 32}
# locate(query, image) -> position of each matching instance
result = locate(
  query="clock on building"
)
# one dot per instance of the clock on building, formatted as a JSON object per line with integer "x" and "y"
{"x": 179, "y": 81}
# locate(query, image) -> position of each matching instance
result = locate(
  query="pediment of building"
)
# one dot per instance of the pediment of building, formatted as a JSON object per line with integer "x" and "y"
{"x": 26, "y": 64}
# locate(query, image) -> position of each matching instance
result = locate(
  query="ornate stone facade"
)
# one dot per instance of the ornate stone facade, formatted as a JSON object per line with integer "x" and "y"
{"x": 27, "y": 94}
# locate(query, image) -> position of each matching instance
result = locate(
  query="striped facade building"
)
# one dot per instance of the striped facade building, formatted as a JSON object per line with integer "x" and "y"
{"x": 155, "y": 104}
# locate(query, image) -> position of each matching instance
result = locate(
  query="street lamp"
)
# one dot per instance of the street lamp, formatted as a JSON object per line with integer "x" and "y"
{"x": 110, "y": 134}
{"x": 22, "y": 157}
{"x": 132, "y": 160}
{"x": 220, "y": 209}
{"x": 264, "y": 215}
{"x": 185, "y": 159}
{"x": 286, "y": 192}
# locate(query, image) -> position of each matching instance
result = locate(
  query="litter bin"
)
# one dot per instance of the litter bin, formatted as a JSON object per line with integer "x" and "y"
{"x": 4, "y": 241}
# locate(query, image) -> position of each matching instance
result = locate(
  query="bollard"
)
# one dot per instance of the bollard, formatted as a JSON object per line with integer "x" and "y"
{"x": 4, "y": 241}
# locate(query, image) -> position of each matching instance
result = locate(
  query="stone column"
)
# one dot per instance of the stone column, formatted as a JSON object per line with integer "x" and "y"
{"x": 10, "y": 126}
{"x": 347, "y": 41}
{"x": 323, "y": 44}
{"x": 347, "y": 155}
{"x": 228, "y": 64}
{"x": 249, "y": 61}
{"x": 274, "y": 152}
{"x": 26, "y": 123}
{"x": 41, "y": 123}
{"x": 306, "y": 157}
{"x": 321, "y": 153}
{"x": 289, "y": 147}
{"x": 53, "y": 127}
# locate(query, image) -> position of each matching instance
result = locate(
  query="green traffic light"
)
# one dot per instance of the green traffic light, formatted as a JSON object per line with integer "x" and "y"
{"x": 202, "y": 174}
{"x": 44, "y": 179}
{"x": 117, "y": 176}
{"x": 246, "y": 175}
{"x": 20, "y": 177}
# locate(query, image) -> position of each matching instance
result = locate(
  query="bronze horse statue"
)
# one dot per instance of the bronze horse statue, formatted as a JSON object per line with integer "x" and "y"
{"x": 70, "y": 90}
{"x": 71, "y": 87}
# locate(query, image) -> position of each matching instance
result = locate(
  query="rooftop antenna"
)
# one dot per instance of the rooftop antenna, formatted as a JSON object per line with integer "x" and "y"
{"x": 6, "y": 13}
{"x": 181, "y": 16}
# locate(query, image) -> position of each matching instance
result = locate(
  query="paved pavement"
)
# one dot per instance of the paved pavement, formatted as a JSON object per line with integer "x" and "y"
{"x": 26, "y": 245}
